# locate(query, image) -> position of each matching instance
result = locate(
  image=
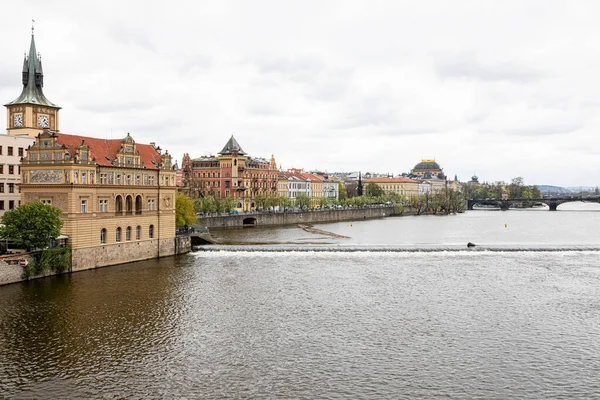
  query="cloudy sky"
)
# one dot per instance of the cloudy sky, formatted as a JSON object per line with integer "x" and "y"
{"x": 496, "y": 88}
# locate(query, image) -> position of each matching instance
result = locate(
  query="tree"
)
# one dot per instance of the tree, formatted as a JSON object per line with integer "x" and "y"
{"x": 341, "y": 191}
{"x": 303, "y": 201}
{"x": 227, "y": 204}
{"x": 184, "y": 210}
{"x": 33, "y": 225}
{"x": 284, "y": 202}
{"x": 374, "y": 190}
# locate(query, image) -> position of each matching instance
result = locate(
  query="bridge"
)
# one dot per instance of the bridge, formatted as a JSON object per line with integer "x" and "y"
{"x": 551, "y": 202}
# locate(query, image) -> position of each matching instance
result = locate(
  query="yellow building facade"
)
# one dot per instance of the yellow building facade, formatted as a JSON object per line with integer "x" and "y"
{"x": 406, "y": 187}
{"x": 117, "y": 197}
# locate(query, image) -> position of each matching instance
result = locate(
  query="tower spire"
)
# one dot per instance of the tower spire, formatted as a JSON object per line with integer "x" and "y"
{"x": 33, "y": 78}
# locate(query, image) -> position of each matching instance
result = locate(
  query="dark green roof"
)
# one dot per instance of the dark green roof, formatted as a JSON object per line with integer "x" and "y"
{"x": 33, "y": 80}
{"x": 427, "y": 166}
{"x": 232, "y": 146}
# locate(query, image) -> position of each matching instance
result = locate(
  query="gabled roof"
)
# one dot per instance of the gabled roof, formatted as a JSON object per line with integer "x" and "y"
{"x": 231, "y": 147}
{"x": 104, "y": 151}
{"x": 33, "y": 81}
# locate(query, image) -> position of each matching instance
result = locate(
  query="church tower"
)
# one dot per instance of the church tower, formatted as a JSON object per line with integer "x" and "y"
{"x": 31, "y": 112}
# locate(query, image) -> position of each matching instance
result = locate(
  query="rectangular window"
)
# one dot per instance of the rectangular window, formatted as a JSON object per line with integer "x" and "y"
{"x": 138, "y": 232}
{"x": 11, "y": 169}
{"x": 10, "y": 150}
{"x": 20, "y": 152}
{"x": 11, "y": 204}
{"x": 151, "y": 206}
{"x": 1, "y": 204}
{"x": 118, "y": 179}
{"x": 103, "y": 179}
{"x": 103, "y": 206}
{"x": 83, "y": 206}
{"x": 2, "y": 169}
{"x": 1, "y": 187}
{"x": 1, "y": 153}
{"x": 11, "y": 188}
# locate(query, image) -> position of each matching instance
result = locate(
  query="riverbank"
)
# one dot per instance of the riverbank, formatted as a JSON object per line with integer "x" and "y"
{"x": 295, "y": 218}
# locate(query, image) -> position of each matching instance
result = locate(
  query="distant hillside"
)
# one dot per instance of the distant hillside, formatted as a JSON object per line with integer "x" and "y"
{"x": 577, "y": 189}
{"x": 553, "y": 189}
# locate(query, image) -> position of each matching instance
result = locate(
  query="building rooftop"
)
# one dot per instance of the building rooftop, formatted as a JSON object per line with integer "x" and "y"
{"x": 104, "y": 151}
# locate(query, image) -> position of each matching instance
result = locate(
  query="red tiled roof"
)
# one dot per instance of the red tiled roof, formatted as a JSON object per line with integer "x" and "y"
{"x": 390, "y": 180}
{"x": 104, "y": 150}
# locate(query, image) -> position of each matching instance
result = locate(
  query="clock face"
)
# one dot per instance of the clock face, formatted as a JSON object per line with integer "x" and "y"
{"x": 43, "y": 121}
{"x": 18, "y": 120}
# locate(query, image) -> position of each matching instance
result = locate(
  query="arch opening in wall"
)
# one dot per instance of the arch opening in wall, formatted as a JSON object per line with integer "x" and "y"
{"x": 138, "y": 205}
{"x": 119, "y": 204}
{"x": 129, "y": 205}
{"x": 249, "y": 222}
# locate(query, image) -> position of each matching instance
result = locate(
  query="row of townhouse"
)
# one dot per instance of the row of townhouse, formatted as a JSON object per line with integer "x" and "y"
{"x": 315, "y": 185}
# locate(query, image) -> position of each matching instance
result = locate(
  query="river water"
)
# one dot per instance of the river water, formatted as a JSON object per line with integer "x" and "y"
{"x": 398, "y": 309}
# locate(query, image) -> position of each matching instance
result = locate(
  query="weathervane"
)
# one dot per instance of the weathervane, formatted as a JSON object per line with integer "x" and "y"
{"x": 32, "y": 27}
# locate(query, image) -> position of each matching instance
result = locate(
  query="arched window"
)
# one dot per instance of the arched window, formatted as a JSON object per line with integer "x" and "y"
{"x": 138, "y": 232}
{"x": 128, "y": 233}
{"x": 103, "y": 236}
{"x": 151, "y": 231}
{"x": 128, "y": 204}
{"x": 118, "y": 235}
{"x": 119, "y": 204}
{"x": 138, "y": 204}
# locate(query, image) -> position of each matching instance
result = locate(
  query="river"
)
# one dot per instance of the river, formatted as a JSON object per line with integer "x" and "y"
{"x": 400, "y": 308}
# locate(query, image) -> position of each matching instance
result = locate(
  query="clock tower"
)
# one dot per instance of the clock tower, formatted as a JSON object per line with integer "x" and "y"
{"x": 31, "y": 112}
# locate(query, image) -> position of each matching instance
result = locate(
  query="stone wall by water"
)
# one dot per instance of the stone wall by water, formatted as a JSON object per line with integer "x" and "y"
{"x": 102, "y": 256}
{"x": 230, "y": 221}
{"x": 10, "y": 270}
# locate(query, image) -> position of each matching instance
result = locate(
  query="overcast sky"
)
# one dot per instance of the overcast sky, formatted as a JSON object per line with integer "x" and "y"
{"x": 496, "y": 88}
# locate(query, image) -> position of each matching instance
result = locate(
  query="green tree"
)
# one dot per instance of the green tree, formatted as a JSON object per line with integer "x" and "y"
{"x": 227, "y": 204}
{"x": 184, "y": 210}
{"x": 342, "y": 192}
{"x": 32, "y": 225}
{"x": 209, "y": 204}
{"x": 374, "y": 190}
{"x": 284, "y": 202}
{"x": 303, "y": 201}
{"x": 271, "y": 201}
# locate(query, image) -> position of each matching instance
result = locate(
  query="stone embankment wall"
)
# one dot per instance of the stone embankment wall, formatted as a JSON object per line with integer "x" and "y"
{"x": 10, "y": 270}
{"x": 313, "y": 217}
{"x": 82, "y": 259}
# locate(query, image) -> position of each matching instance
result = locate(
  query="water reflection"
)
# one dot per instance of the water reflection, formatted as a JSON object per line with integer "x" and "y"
{"x": 83, "y": 324}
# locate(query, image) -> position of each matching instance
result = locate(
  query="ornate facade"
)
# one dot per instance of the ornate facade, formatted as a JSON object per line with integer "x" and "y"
{"x": 117, "y": 197}
{"x": 231, "y": 173}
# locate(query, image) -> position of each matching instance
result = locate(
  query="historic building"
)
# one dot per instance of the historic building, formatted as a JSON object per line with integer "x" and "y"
{"x": 427, "y": 166}
{"x": 31, "y": 112}
{"x": 232, "y": 172}
{"x": 26, "y": 116}
{"x": 406, "y": 187}
{"x": 12, "y": 148}
{"x": 117, "y": 197}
